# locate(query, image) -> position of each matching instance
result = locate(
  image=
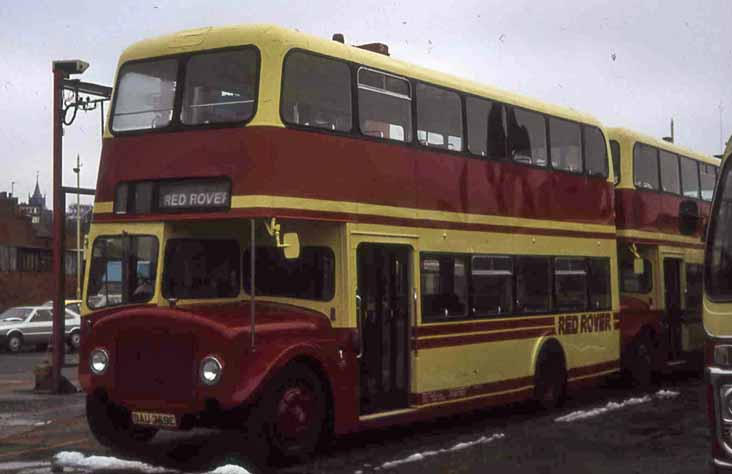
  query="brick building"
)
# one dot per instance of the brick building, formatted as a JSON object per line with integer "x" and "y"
{"x": 26, "y": 276}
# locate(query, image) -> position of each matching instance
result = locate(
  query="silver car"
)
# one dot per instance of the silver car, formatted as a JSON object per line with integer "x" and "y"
{"x": 32, "y": 326}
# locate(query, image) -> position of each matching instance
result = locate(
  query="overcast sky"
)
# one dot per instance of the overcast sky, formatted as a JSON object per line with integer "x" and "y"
{"x": 629, "y": 63}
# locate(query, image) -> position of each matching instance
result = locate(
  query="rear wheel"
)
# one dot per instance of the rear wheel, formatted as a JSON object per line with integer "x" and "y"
{"x": 112, "y": 427}
{"x": 294, "y": 413}
{"x": 15, "y": 342}
{"x": 550, "y": 380}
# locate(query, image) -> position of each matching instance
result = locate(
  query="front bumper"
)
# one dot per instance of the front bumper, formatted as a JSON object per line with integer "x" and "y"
{"x": 721, "y": 424}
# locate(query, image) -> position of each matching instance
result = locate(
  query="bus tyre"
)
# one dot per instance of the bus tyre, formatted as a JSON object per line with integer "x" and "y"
{"x": 294, "y": 413}
{"x": 111, "y": 425}
{"x": 641, "y": 363}
{"x": 550, "y": 380}
{"x": 15, "y": 343}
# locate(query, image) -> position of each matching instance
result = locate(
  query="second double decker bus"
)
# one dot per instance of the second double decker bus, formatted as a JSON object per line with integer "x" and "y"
{"x": 316, "y": 239}
{"x": 660, "y": 261}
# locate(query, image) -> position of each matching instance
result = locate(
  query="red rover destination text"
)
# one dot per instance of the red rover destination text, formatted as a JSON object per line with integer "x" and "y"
{"x": 584, "y": 323}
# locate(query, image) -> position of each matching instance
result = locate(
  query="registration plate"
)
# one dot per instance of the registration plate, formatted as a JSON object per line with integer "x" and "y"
{"x": 154, "y": 419}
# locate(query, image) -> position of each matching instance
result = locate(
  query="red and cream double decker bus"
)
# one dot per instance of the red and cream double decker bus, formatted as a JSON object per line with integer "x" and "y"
{"x": 660, "y": 261}
{"x": 300, "y": 238}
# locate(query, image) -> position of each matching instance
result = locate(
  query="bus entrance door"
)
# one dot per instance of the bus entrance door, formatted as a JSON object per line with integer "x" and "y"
{"x": 383, "y": 286}
{"x": 672, "y": 316}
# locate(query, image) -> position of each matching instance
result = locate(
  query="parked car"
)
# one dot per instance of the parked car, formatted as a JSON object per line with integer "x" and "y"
{"x": 73, "y": 305}
{"x": 32, "y": 325}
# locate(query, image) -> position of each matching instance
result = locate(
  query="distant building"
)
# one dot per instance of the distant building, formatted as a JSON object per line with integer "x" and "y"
{"x": 26, "y": 276}
{"x": 35, "y": 208}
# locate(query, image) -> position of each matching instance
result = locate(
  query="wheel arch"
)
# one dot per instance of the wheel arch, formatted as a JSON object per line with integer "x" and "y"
{"x": 551, "y": 344}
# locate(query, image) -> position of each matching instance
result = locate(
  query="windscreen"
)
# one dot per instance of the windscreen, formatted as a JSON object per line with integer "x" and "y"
{"x": 218, "y": 87}
{"x": 201, "y": 268}
{"x": 145, "y": 95}
{"x": 718, "y": 281}
{"x": 123, "y": 270}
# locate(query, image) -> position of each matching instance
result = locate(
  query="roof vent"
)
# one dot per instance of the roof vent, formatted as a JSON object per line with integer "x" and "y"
{"x": 380, "y": 48}
{"x": 338, "y": 37}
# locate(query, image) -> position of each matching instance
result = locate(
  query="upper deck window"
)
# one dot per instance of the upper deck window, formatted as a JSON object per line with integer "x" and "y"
{"x": 316, "y": 92}
{"x": 384, "y": 105}
{"x": 595, "y": 151}
{"x": 645, "y": 166}
{"x": 615, "y": 152}
{"x": 220, "y": 87}
{"x": 527, "y": 136}
{"x": 565, "y": 142}
{"x": 439, "y": 118}
{"x": 487, "y": 127}
{"x": 708, "y": 176}
{"x": 145, "y": 95}
{"x": 690, "y": 177}
{"x": 669, "y": 172}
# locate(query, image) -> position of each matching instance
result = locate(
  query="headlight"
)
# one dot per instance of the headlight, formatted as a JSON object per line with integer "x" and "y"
{"x": 99, "y": 361}
{"x": 723, "y": 355}
{"x": 211, "y": 370}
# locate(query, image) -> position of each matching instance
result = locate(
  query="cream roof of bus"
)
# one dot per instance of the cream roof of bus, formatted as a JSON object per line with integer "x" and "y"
{"x": 623, "y": 134}
{"x": 277, "y": 39}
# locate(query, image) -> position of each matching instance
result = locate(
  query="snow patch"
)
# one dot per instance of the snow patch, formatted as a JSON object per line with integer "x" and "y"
{"x": 425, "y": 454}
{"x": 611, "y": 406}
{"x": 666, "y": 394}
{"x": 74, "y": 459}
{"x": 230, "y": 469}
{"x": 14, "y": 466}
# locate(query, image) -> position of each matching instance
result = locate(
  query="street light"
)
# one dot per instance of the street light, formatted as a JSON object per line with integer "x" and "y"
{"x": 77, "y": 170}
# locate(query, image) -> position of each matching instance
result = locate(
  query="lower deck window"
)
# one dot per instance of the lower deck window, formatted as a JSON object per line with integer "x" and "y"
{"x": 311, "y": 276}
{"x": 198, "y": 268}
{"x": 492, "y": 285}
{"x": 444, "y": 287}
{"x": 533, "y": 288}
{"x": 570, "y": 284}
{"x": 631, "y": 282}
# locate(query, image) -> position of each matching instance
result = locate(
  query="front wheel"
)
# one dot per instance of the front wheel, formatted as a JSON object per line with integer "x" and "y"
{"x": 112, "y": 427}
{"x": 15, "y": 343}
{"x": 293, "y": 412}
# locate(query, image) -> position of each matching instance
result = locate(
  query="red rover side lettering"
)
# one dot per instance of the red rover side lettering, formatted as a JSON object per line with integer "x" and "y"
{"x": 584, "y": 323}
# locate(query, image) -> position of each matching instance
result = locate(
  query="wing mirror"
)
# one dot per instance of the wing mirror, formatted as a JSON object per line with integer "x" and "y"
{"x": 291, "y": 245}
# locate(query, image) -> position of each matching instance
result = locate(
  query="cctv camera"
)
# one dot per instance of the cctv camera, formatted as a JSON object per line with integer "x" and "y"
{"x": 71, "y": 66}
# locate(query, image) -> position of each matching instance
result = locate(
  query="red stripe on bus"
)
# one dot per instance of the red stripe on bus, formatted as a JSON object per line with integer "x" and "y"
{"x": 447, "y": 328}
{"x": 452, "y": 341}
{"x": 652, "y": 211}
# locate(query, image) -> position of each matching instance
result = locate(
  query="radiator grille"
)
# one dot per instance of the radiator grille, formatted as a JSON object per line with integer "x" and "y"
{"x": 155, "y": 365}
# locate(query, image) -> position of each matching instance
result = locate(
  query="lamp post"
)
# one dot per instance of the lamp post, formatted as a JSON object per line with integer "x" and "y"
{"x": 77, "y": 170}
{"x": 62, "y": 70}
